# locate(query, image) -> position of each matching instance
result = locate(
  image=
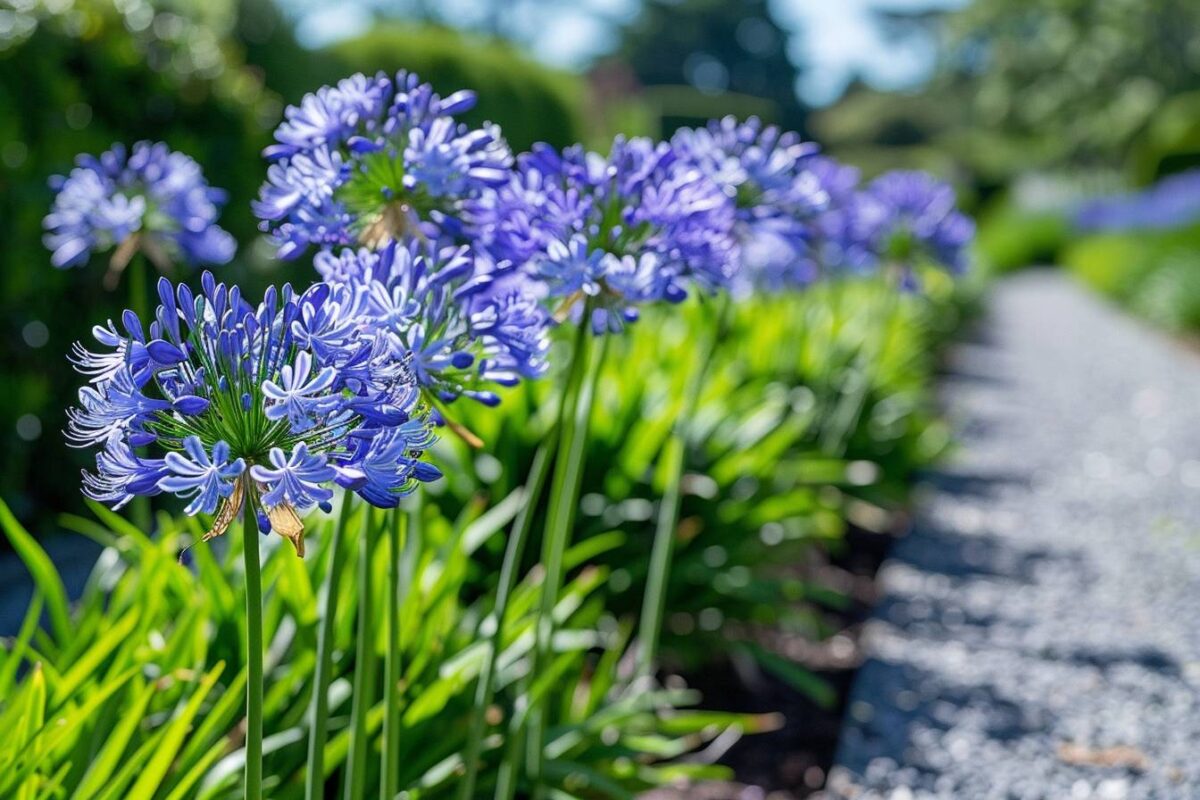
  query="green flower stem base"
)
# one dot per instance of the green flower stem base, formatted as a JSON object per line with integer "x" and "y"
{"x": 674, "y": 454}
{"x": 314, "y": 783}
{"x": 364, "y": 665}
{"x": 514, "y": 550}
{"x": 254, "y": 648}
{"x": 390, "y": 752}
{"x": 560, "y": 520}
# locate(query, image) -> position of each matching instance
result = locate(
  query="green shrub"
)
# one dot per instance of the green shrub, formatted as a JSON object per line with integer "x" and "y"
{"x": 1155, "y": 273}
{"x": 1170, "y": 295}
{"x": 816, "y": 412}
{"x": 1112, "y": 264}
{"x": 816, "y": 407}
{"x": 1171, "y": 142}
{"x": 1010, "y": 238}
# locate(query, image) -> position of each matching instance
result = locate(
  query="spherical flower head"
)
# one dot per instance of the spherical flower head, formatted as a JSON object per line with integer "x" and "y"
{"x": 373, "y": 159}
{"x": 152, "y": 193}
{"x": 610, "y": 233}
{"x": 776, "y": 196}
{"x": 467, "y": 322}
{"x": 837, "y": 242}
{"x": 910, "y": 218}
{"x": 275, "y": 403}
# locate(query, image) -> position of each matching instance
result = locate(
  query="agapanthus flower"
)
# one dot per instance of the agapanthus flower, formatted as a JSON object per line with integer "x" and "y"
{"x": 610, "y": 233}
{"x": 1173, "y": 202}
{"x": 217, "y": 399}
{"x": 776, "y": 195}
{"x": 468, "y": 322}
{"x": 907, "y": 218}
{"x": 835, "y": 239}
{"x": 373, "y": 159}
{"x": 149, "y": 199}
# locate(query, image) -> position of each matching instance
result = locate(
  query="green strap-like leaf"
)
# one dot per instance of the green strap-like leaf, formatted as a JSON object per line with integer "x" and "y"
{"x": 42, "y": 569}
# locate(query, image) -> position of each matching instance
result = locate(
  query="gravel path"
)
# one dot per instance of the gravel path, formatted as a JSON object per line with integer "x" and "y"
{"x": 1040, "y": 636}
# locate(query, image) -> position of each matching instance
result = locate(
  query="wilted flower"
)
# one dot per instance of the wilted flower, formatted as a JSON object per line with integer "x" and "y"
{"x": 153, "y": 200}
{"x": 373, "y": 159}
{"x": 637, "y": 226}
{"x": 286, "y": 398}
{"x": 776, "y": 195}
{"x": 908, "y": 218}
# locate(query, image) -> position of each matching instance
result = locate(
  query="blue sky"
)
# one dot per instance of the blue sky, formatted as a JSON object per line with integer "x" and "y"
{"x": 835, "y": 38}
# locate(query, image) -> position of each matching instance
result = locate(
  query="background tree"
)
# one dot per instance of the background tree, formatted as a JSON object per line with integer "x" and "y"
{"x": 1077, "y": 78}
{"x": 706, "y": 58}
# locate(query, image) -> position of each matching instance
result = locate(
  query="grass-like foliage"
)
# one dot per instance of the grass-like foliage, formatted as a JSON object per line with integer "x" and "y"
{"x": 813, "y": 415}
{"x": 1155, "y": 273}
{"x": 139, "y": 694}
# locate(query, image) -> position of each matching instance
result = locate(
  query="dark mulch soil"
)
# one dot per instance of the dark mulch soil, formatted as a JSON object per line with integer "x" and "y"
{"x": 793, "y": 761}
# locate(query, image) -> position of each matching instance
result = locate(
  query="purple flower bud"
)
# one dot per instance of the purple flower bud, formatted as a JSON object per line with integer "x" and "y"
{"x": 191, "y": 404}
{"x": 164, "y": 352}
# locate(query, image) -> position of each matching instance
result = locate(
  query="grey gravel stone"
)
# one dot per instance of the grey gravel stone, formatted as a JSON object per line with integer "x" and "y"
{"x": 1040, "y": 632}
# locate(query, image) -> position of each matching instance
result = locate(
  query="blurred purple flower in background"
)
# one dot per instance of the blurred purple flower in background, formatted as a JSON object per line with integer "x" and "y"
{"x": 906, "y": 218}
{"x": 1173, "y": 202}
{"x": 776, "y": 195}
{"x": 835, "y": 241}
{"x": 637, "y": 226}
{"x": 150, "y": 192}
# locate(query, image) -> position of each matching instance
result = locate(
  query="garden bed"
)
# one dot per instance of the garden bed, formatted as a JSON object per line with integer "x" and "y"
{"x": 792, "y": 761}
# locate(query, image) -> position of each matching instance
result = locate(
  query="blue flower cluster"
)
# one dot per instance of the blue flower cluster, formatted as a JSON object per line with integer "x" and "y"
{"x": 374, "y": 159}
{"x": 801, "y": 215}
{"x": 443, "y": 266}
{"x": 464, "y": 320}
{"x": 150, "y": 197}
{"x": 606, "y": 234}
{"x": 837, "y": 246}
{"x": 286, "y": 398}
{"x": 1173, "y": 202}
{"x": 908, "y": 217}
{"x": 776, "y": 195}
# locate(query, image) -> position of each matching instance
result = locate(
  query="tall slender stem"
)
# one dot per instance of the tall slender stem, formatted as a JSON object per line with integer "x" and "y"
{"x": 510, "y": 766}
{"x": 137, "y": 286}
{"x": 513, "y": 551}
{"x": 390, "y": 752}
{"x": 655, "y": 600}
{"x": 364, "y": 667}
{"x": 314, "y": 783}
{"x": 140, "y": 509}
{"x": 560, "y": 519}
{"x": 254, "y": 647}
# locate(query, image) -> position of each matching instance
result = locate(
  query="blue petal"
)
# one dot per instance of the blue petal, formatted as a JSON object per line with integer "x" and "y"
{"x": 191, "y": 404}
{"x": 164, "y": 352}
